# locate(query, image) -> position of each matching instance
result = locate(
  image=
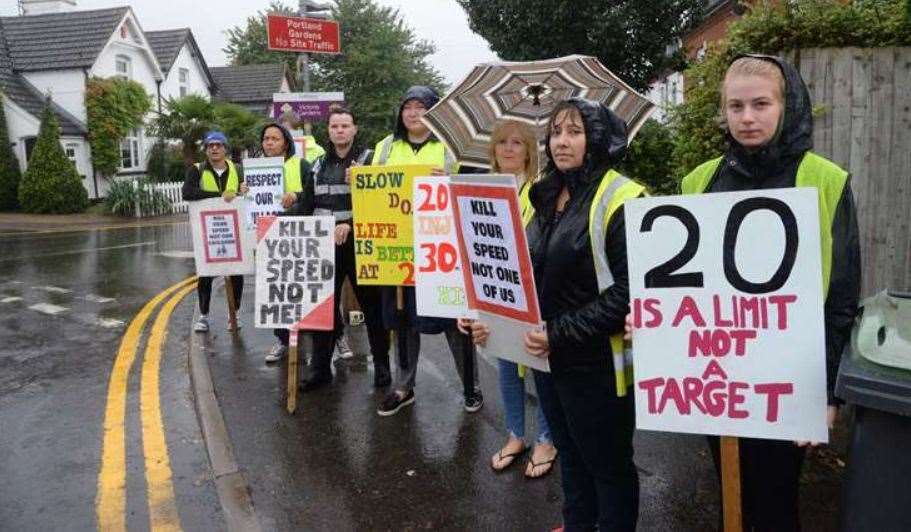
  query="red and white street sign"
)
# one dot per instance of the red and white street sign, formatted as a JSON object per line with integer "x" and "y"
{"x": 294, "y": 34}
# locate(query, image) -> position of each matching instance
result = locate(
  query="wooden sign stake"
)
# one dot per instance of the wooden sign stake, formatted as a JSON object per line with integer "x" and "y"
{"x": 292, "y": 370}
{"x": 232, "y": 305}
{"x": 730, "y": 484}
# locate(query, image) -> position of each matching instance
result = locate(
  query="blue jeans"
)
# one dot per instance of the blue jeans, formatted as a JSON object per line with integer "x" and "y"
{"x": 512, "y": 387}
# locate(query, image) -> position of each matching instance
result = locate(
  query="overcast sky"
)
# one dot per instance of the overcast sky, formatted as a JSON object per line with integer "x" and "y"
{"x": 440, "y": 21}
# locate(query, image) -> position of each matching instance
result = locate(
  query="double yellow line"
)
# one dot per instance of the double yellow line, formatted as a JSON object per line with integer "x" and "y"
{"x": 110, "y": 504}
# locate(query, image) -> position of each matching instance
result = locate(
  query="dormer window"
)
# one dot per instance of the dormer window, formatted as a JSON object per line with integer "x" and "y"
{"x": 124, "y": 32}
{"x": 123, "y": 67}
{"x": 183, "y": 79}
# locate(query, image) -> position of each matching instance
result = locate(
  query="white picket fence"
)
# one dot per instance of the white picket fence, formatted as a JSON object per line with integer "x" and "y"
{"x": 172, "y": 191}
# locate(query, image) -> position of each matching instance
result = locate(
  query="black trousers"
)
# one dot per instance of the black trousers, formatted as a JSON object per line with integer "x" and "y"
{"x": 370, "y": 301}
{"x": 204, "y": 291}
{"x": 769, "y": 483}
{"x": 592, "y": 429}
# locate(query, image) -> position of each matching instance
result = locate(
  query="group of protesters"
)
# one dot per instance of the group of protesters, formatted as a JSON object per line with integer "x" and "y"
{"x": 585, "y": 408}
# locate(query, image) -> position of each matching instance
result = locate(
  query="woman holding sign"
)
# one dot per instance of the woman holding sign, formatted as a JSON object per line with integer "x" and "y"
{"x": 769, "y": 128}
{"x": 577, "y": 239}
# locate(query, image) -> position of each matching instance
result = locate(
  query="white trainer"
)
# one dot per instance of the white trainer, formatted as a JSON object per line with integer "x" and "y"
{"x": 277, "y": 352}
{"x": 202, "y": 325}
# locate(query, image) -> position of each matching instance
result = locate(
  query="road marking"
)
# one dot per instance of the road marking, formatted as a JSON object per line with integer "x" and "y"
{"x": 178, "y": 254}
{"x": 79, "y": 251}
{"x": 162, "y": 506}
{"x": 98, "y": 299}
{"x": 54, "y": 289}
{"x": 47, "y": 308}
{"x": 10, "y": 299}
{"x": 110, "y": 504}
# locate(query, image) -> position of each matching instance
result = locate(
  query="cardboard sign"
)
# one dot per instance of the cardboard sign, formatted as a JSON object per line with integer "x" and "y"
{"x": 295, "y": 283}
{"x": 265, "y": 177}
{"x": 496, "y": 265}
{"x": 726, "y": 298}
{"x": 383, "y": 231}
{"x": 298, "y": 34}
{"x": 306, "y": 106}
{"x": 221, "y": 246}
{"x": 438, "y": 281}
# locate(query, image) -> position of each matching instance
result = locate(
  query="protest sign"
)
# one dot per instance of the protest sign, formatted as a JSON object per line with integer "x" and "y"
{"x": 220, "y": 245}
{"x": 265, "y": 178}
{"x": 305, "y": 106}
{"x": 726, "y": 298}
{"x": 295, "y": 284}
{"x": 381, "y": 197}
{"x": 438, "y": 282}
{"x": 496, "y": 266}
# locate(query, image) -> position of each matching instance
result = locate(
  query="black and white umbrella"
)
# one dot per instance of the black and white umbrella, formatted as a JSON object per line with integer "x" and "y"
{"x": 528, "y": 92}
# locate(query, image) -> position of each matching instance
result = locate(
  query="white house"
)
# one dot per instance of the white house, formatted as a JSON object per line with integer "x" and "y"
{"x": 54, "y": 50}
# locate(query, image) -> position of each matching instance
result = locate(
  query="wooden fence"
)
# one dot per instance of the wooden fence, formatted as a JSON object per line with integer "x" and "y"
{"x": 863, "y": 123}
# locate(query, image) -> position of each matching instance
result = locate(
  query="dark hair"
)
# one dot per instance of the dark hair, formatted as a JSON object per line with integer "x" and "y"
{"x": 340, "y": 110}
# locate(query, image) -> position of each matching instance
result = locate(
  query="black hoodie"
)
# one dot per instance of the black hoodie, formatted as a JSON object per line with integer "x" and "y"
{"x": 775, "y": 166}
{"x": 422, "y": 93}
{"x": 580, "y": 319}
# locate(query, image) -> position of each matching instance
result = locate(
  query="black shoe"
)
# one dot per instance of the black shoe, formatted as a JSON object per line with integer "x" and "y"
{"x": 393, "y": 403}
{"x": 474, "y": 402}
{"x": 312, "y": 383}
{"x": 381, "y": 378}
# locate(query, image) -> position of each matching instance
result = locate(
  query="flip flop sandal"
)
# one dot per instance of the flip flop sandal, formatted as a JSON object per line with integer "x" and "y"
{"x": 536, "y": 465}
{"x": 511, "y": 456}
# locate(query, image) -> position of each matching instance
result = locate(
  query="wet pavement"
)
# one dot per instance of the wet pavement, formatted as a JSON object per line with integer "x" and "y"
{"x": 65, "y": 302}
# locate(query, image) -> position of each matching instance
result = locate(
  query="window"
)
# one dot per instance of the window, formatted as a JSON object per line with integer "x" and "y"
{"x": 129, "y": 151}
{"x": 123, "y": 67}
{"x": 183, "y": 77}
{"x": 70, "y": 150}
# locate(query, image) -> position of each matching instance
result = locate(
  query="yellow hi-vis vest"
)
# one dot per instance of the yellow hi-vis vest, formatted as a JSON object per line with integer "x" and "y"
{"x": 814, "y": 171}
{"x": 612, "y": 192}
{"x": 208, "y": 183}
{"x": 314, "y": 150}
{"x": 293, "y": 174}
{"x": 397, "y": 151}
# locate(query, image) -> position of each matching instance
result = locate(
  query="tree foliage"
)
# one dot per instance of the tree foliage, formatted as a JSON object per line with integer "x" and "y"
{"x": 51, "y": 184}
{"x": 381, "y": 57}
{"x": 629, "y": 36}
{"x": 771, "y": 29}
{"x": 185, "y": 119}
{"x": 647, "y": 160}
{"x": 241, "y": 126}
{"x": 114, "y": 107}
{"x": 9, "y": 168}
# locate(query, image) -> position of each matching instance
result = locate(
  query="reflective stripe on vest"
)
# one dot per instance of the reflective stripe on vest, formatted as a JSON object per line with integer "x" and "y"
{"x": 293, "y": 174}
{"x": 384, "y": 150}
{"x": 612, "y": 192}
{"x": 208, "y": 183}
{"x": 814, "y": 171}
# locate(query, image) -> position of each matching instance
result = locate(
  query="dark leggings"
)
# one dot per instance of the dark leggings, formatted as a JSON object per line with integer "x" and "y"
{"x": 204, "y": 291}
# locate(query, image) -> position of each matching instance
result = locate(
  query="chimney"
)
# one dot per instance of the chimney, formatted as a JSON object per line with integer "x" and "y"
{"x": 40, "y": 7}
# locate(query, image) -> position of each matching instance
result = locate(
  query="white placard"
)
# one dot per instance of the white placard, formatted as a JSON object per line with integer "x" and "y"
{"x": 221, "y": 246}
{"x": 295, "y": 284}
{"x": 438, "y": 282}
{"x": 265, "y": 178}
{"x": 726, "y": 296}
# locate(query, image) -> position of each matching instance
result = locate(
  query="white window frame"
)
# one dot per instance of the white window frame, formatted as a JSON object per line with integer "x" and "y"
{"x": 183, "y": 79}
{"x": 127, "y": 62}
{"x": 130, "y": 153}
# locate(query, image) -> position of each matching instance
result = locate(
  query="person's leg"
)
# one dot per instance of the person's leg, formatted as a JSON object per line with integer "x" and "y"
{"x": 512, "y": 390}
{"x": 601, "y": 425}
{"x": 377, "y": 335}
{"x": 770, "y": 476}
{"x": 237, "y": 284}
{"x": 580, "y": 504}
{"x": 404, "y": 382}
{"x": 457, "y": 346}
{"x": 321, "y": 361}
{"x": 543, "y": 427}
{"x": 204, "y": 293}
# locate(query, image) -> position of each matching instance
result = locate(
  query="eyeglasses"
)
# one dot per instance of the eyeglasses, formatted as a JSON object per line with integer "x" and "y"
{"x": 217, "y": 145}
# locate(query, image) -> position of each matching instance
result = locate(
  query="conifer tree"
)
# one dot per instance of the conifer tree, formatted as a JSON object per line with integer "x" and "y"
{"x": 9, "y": 168}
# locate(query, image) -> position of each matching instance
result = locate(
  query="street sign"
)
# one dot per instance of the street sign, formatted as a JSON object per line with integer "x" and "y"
{"x": 306, "y": 106}
{"x": 308, "y": 35}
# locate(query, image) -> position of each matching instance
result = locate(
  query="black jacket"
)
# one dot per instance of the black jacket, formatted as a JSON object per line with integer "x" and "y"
{"x": 329, "y": 170}
{"x": 775, "y": 166}
{"x": 192, "y": 183}
{"x": 304, "y": 203}
{"x": 580, "y": 319}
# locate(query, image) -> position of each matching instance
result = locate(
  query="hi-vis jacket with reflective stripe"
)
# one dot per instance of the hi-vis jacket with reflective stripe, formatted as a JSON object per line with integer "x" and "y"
{"x": 612, "y": 191}
{"x": 814, "y": 171}
{"x": 397, "y": 151}
{"x": 208, "y": 183}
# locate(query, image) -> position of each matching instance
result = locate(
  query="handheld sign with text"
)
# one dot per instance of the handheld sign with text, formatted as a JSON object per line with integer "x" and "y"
{"x": 727, "y": 303}
{"x": 381, "y": 197}
{"x": 221, "y": 246}
{"x": 496, "y": 265}
{"x": 295, "y": 283}
{"x": 439, "y": 285}
{"x": 264, "y": 177}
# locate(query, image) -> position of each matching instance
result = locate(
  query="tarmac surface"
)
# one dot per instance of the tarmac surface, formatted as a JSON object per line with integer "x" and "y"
{"x": 335, "y": 464}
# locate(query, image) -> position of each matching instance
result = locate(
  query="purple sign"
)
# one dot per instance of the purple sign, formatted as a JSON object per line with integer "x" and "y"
{"x": 307, "y": 106}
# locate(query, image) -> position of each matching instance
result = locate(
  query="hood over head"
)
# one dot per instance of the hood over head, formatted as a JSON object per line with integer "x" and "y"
{"x": 289, "y": 140}
{"x": 422, "y": 93}
{"x": 605, "y": 137}
{"x": 795, "y": 132}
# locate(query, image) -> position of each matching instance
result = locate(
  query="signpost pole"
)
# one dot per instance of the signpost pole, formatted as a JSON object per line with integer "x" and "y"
{"x": 310, "y": 9}
{"x": 730, "y": 483}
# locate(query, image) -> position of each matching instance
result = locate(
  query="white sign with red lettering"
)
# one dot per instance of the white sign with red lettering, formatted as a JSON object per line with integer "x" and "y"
{"x": 221, "y": 246}
{"x": 727, "y": 304}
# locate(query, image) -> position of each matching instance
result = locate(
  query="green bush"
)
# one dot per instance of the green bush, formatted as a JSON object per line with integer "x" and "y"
{"x": 772, "y": 29}
{"x": 647, "y": 160}
{"x": 9, "y": 168}
{"x": 51, "y": 184}
{"x": 125, "y": 194}
{"x": 113, "y": 106}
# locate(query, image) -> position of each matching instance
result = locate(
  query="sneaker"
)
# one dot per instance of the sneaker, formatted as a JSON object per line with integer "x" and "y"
{"x": 474, "y": 403}
{"x": 341, "y": 345}
{"x": 277, "y": 352}
{"x": 393, "y": 403}
{"x": 202, "y": 325}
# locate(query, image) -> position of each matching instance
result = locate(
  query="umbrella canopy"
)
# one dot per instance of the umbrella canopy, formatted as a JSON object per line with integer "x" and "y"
{"x": 527, "y": 92}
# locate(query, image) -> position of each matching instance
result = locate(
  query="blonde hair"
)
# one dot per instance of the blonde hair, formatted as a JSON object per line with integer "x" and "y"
{"x": 753, "y": 66}
{"x": 506, "y": 128}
